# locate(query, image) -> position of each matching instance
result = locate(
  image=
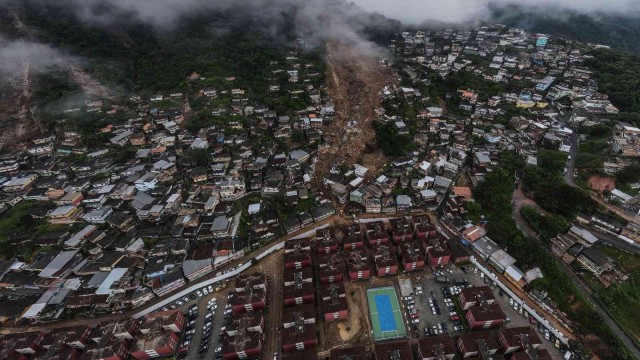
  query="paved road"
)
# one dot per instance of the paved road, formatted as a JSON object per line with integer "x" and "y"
{"x": 569, "y": 177}
{"x": 273, "y": 329}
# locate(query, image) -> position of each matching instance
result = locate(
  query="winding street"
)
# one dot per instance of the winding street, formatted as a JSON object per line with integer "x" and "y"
{"x": 519, "y": 201}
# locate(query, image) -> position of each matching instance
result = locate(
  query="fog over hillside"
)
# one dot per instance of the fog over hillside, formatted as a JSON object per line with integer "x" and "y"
{"x": 462, "y": 11}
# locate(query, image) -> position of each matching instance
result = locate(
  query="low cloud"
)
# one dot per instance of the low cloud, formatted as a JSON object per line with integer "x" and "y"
{"x": 461, "y": 11}
{"x": 15, "y": 55}
{"x": 315, "y": 21}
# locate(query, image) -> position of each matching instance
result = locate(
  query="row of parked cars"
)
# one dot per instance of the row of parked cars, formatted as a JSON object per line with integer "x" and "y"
{"x": 212, "y": 305}
{"x": 189, "y": 331}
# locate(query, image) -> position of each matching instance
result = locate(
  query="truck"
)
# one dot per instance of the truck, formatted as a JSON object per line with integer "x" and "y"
{"x": 442, "y": 280}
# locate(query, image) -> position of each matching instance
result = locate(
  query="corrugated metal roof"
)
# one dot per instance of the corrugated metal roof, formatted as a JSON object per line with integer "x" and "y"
{"x": 115, "y": 275}
{"x": 58, "y": 263}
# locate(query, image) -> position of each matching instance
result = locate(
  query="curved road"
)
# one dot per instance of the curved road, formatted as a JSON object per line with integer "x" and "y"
{"x": 519, "y": 201}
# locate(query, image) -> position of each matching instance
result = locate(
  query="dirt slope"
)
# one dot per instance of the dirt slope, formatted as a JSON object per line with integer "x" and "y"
{"x": 355, "y": 79}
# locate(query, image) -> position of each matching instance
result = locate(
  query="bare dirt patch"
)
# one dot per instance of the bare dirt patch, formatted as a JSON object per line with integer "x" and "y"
{"x": 353, "y": 330}
{"x": 601, "y": 183}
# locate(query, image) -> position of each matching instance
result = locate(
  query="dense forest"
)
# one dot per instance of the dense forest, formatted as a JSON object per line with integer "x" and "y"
{"x": 137, "y": 57}
{"x": 618, "y": 76}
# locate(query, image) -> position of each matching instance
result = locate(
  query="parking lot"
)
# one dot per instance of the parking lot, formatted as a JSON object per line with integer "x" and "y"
{"x": 204, "y": 316}
{"x": 429, "y": 308}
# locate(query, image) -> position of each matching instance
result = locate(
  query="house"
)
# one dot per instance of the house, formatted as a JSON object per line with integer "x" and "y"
{"x": 595, "y": 260}
{"x": 485, "y": 316}
{"x": 376, "y": 234}
{"x": 165, "y": 284}
{"x": 501, "y": 260}
{"x": 333, "y": 302}
{"x": 300, "y": 337}
{"x": 475, "y": 295}
{"x": 518, "y": 339}
{"x": 322, "y": 212}
{"x": 392, "y": 350}
{"x": 251, "y": 292}
{"x": 297, "y": 254}
{"x": 158, "y": 335}
{"x": 294, "y": 315}
{"x": 326, "y": 242}
{"x": 438, "y": 253}
{"x": 473, "y": 233}
{"x": 98, "y": 216}
{"x": 438, "y": 347}
{"x": 198, "y": 262}
{"x": 385, "y": 260}
{"x": 66, "y": 214}
{"x": 72, "y": 198}
{"x": 61, "y": 264}
{"x": 458, "y": 251}
{"x": 350, "y": 236}
{"x": 423, "y": 227}
{"x": 478, "y": 344}
{"x": 330, "y": 268}
{"x": 358, "y": 265}
{"x": 221, "y": 227}
{"x": 147, "y": 181}
{"x": 244, "y": 338}
{"x": 121, "y": 137}
{"x": 412, "y": 256}
{"x": 77, "y": 239}
{"x": 298, "y": 286}
{"x": 401, "y": 230}
{"x": 373, "y": 205}
{"x": 485, "y": 247}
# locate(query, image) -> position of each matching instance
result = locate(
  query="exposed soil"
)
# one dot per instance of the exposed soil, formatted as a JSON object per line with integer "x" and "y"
{"x": 600, "y": 183}
{"x": 353, "y": 330}
{"x": 355, "y": 80}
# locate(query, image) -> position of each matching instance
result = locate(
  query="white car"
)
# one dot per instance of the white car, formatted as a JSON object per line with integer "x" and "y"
{"x": 205, "y": 291}
{"x": 210, "y": 288}
{"x": 198, "y": 293}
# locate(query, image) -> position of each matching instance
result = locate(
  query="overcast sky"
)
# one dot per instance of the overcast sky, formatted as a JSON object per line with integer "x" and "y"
{"x": 455, "y": 11}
